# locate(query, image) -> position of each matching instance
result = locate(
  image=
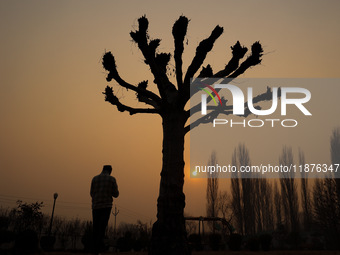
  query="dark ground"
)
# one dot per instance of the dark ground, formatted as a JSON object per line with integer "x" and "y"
{"x": 220, "y": 253}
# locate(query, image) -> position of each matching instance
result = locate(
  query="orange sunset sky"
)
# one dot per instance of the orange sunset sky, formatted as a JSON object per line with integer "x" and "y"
{"x": 57, "y": 131}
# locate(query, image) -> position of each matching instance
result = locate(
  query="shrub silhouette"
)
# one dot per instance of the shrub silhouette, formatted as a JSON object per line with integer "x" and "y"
{"x": 235, "y": 242}
{"x": 215, "y": 241}
{"x": 253, "y": 243}
{"x": 26, "y": 242}
{"x": 87, "y": 238}
{"x": 266, "y": 241}
{"x": 195, "y": 242}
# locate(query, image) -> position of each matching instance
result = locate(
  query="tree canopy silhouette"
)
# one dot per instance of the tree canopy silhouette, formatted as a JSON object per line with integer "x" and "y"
{"x": 169, "y": 234}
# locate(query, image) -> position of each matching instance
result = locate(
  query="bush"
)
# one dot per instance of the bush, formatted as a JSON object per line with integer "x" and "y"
{"x": 266, "y": 241}
{"x": 87, "y": 238}
{"x": 125, "y": 243}
{"x": 26, "y": 242}
{"x": 195, "y": 242}
{"x": 6, "y": 236}
{"x": 28, "y": 216}
{"x": 215, "y": 241}
{"x": 235, "y": 242}
{"x": 294, "y": 239}
{"x": 253, "y": 243}
{"x": 4, "y": 222}
{"x": 140, "y": 243}
{"x": 47, "y": 243}
{"x": 137, "y": 245}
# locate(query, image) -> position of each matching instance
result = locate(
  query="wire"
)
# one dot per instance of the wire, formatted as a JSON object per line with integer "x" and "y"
{"x": 131, "y": 212}
{"x": 16, "y": 198}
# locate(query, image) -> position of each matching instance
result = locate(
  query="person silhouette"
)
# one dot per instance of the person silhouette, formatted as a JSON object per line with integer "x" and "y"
{"x": 103, "y": 188}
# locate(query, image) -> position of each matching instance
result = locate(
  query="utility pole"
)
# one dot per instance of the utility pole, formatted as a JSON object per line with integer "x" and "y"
{"x": 55, "y": 196}
{"x": 115, "y": 213}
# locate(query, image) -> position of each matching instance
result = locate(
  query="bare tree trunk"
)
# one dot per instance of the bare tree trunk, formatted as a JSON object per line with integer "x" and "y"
{"x": 278, "y": 205}
{"x": 242, "y": 190}
{"x": 212, "y": 192}
{"x": 169, "y": 233}
{"x": 258, "y": 206}
{"x": 305, "y": 195}
{"x": 267, "y": 205}
{"x": 248, "y": 206}
{"x": 289, "y": 191}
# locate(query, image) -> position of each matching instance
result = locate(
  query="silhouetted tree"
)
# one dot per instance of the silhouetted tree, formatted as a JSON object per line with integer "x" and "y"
{"x": 243, "y": 193}
{"x": 326, "y": 200}
{"x": 335, "y": 146}
{"x": 268, "y": 208}
{"x": 212, "y": 190}
{"x": 305, "y": 194}
{"x": 169, "y": 234}
{"x": 28, "y": 226}
{"x": 326, "y": 210}
{"x": 289, "y": 194}
{"x": 28, "y": 216}
{"x": 236, "y": 191}
{"x": 263, "y": 205}
{"x": 335, "y": 155}
{"x": 191, "y": 226}
{"x": 277, "y": 205}
{"x": 224, "y": 205}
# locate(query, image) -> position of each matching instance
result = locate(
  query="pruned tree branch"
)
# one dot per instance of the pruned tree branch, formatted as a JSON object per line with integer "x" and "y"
{"x": 157, "y": 61}
{"x": 179, "y": 31}
{"x": 142, "y": 98}
{"x": 111, "y": 98}
{"x": 227, "y": 109}
{"x": 205, "y": 119}
{"x": 238, "y": 52}
{"x": 202, "y": 50}
{"x": 158, "y": 65}
{"x": 253, "y": 60}
{"x": 265, "y": 96}
{"x": 232, "y": 67}
{"x": 213, "y": 115}
{"x": 143, "y": 94}
{"x": 206, "y": 72}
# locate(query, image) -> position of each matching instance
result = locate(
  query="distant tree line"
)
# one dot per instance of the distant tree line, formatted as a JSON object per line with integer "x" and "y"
{"x": 296, "y": 212}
